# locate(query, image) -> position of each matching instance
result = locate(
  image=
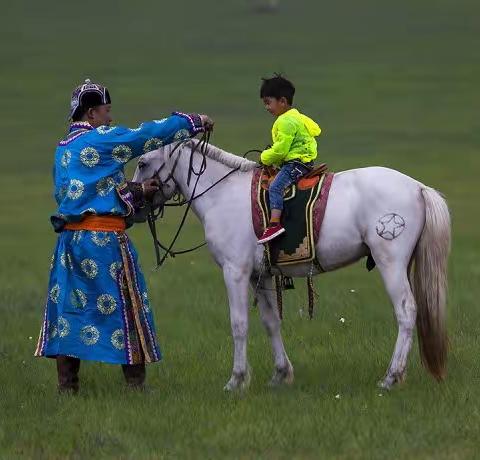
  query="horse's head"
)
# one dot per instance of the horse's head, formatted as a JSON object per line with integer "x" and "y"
{"x": 156, "y": 165}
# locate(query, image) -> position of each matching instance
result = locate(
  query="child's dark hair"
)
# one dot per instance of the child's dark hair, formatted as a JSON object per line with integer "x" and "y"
{"x": 277, "y": 87}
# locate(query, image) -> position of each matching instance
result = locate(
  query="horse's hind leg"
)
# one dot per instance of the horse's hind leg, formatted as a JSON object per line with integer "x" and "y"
{"x": 395, "y": 277}
{"x": 283, "y": 372}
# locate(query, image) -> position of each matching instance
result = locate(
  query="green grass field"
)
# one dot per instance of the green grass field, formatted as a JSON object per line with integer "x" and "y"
{"x": 393, "y": 84}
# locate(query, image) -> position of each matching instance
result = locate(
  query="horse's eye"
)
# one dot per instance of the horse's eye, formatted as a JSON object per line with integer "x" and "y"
{"x": 141, "y": 165}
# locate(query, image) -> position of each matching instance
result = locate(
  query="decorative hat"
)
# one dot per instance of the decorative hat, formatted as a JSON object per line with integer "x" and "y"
{"x": 88, "y": 95}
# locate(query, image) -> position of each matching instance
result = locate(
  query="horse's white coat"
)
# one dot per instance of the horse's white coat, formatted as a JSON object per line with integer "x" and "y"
{"x": 358, "y": 199}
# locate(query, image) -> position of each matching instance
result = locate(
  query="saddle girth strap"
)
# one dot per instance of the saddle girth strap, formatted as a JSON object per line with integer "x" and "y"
{"x": 310, "y": 296}
{"x": 278, "y": 289}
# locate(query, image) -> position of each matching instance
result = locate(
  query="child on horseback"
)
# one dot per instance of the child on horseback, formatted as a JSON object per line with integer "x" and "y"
{"x": 294, "y": 146}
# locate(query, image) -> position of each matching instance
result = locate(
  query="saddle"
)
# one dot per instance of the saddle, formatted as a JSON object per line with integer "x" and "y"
{"x": 304, "y": 209}
{"x": 308, "y": 181}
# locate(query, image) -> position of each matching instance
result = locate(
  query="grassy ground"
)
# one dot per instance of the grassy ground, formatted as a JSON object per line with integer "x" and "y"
{"x": 391, "y": 84}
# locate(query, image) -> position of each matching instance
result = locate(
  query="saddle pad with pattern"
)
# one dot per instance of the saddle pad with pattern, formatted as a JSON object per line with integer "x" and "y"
{"x": 304, "y": 209}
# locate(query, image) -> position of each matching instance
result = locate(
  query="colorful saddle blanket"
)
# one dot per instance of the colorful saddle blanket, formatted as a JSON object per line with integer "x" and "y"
{"x": 304, "y": 209}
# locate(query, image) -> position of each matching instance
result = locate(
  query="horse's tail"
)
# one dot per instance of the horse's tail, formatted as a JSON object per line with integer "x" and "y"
{"x": 430, "y": 282}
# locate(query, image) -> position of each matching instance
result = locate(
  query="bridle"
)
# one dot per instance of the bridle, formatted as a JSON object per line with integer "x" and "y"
{"x": 200, "y": 147}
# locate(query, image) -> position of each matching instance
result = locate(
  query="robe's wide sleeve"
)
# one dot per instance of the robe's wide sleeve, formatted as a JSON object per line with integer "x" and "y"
{"x": 149, "y": 135}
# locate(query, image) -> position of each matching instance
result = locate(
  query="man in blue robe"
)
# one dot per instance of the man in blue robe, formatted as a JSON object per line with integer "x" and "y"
{"x": 97, "y": 306}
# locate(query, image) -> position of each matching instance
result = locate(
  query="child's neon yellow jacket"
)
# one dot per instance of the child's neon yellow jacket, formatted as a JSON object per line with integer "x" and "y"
{"x": 293, "y": 136}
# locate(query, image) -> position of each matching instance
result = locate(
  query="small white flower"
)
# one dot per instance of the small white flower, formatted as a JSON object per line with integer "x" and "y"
{"x": 152, "y": 144}
{"x": 122, "y": 153}
{"x": 62, "y": 192}
{"x": 342, "y": 319}
{"x": 30, "y": 338}
{"x": 380, "y": 394}
{"x": 89, "y": 157}
{"x": 63, "y": 327}
{"x": 337, "y": 396}
{"x": 105, "y": 186}
{"x": 90, "y": 268}
{"x": 100, "y": 238}
{"x": 55, "y": 293}
{"x": 352, "y": 290}
{"x": 78, "y": 299}
{"x": 115, "y": 268}
{"x": 119, "y": 178}
{"x": 89, "y": 335}
{"x": 181, "y": 135}
{"x": 105, "y": 129}
{"x": 77, "y": 235}
{"x": 118, "y": 340}
{"x": 106, "y": 304}
{"x": 75, "y": 189}
{"x": 66, "y": 157}
{"x": 145, "y": 302}
{"x": 136, "y": 129}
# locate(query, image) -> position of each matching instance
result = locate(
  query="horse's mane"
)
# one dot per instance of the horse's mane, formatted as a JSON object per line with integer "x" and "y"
{"x": 227, "y": 159}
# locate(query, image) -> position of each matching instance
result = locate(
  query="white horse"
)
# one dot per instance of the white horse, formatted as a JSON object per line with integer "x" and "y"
{"x": 375, "y": 210}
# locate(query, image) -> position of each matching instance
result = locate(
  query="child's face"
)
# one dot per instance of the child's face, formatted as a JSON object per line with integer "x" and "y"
{"x": 276, "y": 106}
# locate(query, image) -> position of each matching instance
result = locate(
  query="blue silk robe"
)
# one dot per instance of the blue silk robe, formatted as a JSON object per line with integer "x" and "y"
{"x": 97, "y": 306}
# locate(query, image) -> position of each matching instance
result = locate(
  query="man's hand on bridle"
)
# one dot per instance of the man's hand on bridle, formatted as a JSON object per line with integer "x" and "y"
{"x": 207, "y": 122}
{"x": 150, "y": 187}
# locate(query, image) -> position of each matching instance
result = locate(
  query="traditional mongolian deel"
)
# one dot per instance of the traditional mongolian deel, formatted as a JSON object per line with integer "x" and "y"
{"x": 97, "y": 306}
{"x": 304, "y": 208}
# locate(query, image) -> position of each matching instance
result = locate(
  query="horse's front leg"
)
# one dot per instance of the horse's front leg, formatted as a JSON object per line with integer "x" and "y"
{"x": 236, "y": 281}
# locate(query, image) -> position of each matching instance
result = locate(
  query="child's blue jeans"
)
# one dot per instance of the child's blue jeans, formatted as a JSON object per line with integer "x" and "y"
{"x": 289, "y": 174}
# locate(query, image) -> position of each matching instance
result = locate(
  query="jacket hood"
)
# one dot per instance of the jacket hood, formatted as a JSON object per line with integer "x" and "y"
{"x": 312, "y": 127}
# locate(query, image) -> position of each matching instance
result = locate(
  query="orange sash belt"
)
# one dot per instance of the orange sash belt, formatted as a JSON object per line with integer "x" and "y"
{"x": 99, "y": 224}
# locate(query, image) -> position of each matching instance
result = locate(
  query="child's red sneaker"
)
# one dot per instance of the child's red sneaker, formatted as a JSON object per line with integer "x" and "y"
{"x": 271, "y": 232}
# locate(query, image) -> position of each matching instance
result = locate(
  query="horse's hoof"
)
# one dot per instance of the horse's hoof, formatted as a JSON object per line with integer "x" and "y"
{"x": 283, "y": 376}
{"x": 230, "y": 386}
{"x": 238, "y": 381}
{"x": 390, "y": 380}
{"x": 385, "y": 384}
